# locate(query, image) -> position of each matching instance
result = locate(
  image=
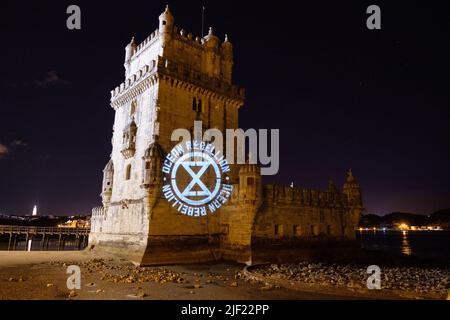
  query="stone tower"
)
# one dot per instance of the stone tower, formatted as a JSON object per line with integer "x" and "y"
{"x": 352, "y": 190}
{"x": 171, "y": 79}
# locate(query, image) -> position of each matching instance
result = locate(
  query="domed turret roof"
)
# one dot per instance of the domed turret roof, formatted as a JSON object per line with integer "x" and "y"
{"x": 227, "y": 47}
{"x": 211, "y": 40}
{"x": 154, "y": 151}
{"x": 351, "y": 182}
{"x": 109, "y": 166}
{"x": 166, "y": 15}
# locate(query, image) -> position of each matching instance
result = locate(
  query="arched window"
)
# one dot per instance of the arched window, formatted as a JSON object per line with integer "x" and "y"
{"x": 128, "y": 172}
{"x": 194, "y": 104}
{"x": 199, "y": 107}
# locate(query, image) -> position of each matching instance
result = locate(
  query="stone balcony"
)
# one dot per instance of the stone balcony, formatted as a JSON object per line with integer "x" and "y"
{"x": 128, "y": 149}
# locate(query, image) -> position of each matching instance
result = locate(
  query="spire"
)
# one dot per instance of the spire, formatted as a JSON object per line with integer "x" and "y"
{"x": 350, "y": 177}
{"x": 167, "y": 11}
{"x": 130, "y": 50}
{"x": 352, "y": 189}
{"x": 34, "y": 211}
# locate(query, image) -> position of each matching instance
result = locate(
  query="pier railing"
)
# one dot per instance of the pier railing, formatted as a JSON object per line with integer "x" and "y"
{"x": 31, "y": 230}
{"x": 27, "y": 233}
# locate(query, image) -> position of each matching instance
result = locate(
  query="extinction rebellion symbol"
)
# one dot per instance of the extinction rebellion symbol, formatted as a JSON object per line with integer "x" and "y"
{"x": 195, "y": 178}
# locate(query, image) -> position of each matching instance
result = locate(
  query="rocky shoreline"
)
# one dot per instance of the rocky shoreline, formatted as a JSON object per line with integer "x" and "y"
{"x": 403, "y": 281}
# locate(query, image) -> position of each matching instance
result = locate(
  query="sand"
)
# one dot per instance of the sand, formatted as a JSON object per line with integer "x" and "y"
{"x": 43, "y": 275}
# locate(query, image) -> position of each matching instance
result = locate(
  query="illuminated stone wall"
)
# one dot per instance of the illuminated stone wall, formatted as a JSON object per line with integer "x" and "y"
{"x": 163, "y": 76}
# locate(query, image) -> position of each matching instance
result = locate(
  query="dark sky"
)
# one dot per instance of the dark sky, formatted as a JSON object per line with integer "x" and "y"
{"x": 342, "y": 96}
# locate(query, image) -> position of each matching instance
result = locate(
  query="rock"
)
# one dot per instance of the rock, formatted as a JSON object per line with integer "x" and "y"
{"x": 72, "y": 294}
{"x": 50, "y": 285}
{"x": 234, "y": 284}
{"x": 192, "y": 292}
{"x": 12, "y": 280}
{"x": 140, "y": 293}
{"x": 197, "y": 286}
{"x": 99, "y": 291}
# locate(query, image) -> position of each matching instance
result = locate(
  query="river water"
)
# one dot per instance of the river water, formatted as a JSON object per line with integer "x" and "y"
{"x": 424, "y": 244}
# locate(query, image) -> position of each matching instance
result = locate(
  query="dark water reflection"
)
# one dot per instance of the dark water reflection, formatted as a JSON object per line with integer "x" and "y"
{"x": 424, "y": 244}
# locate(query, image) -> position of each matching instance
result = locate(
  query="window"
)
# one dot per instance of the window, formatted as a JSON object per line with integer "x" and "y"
{"x": 197, "y": 105}
{"x": 147, "y": 165}
{"x": 128, "y": 172}
{"x": 164, "y": 22}
{"x": 278, "y": 230}
{"x": 296, "y": 230}
{"x": 250, "y": 181}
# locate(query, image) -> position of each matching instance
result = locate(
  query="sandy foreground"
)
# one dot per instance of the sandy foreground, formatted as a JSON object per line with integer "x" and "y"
{"x": 43, "y": 275}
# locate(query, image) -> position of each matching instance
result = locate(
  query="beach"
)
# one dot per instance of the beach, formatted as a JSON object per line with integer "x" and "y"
{"x": 43, "y": 275}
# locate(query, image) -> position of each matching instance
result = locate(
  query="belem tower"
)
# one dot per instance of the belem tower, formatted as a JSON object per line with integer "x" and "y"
{"x": 171, "y": 80}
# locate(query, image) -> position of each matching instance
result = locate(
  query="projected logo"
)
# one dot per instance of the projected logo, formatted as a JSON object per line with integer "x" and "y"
{"x": 196, "y": 180}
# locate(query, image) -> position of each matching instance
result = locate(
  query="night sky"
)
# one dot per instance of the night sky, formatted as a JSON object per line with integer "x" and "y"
{"x": 342, "y": 96}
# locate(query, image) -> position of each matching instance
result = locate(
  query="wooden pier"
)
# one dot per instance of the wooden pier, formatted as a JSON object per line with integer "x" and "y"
{"x": 44, "y": 234}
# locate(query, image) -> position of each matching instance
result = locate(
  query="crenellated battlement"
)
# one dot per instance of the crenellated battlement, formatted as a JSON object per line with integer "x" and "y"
{"x": 144, "y": 44}
{"x": 303, "y": 196}
{"x": 176, "y": 72}
{"x": 182, "y": 35}
{"x": 173, "y": 78}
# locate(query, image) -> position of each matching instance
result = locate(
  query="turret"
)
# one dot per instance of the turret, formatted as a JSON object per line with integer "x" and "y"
{"x": 211, "y": 44}
{"x": 211, "y": 41}
{"x": 250, "y": 184}
{"x": 166, "y": 24}
{"x": 107, "y": 185}
{"x": 352, "y": 190}
{"x": 227, "y": 62}
{"x": 152, "y": 158}
{"x": 227, "y": 49}
{"x": 129, "y": 140}
{"x": 151, "y": 177}
{"x": 130, "y": 49}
